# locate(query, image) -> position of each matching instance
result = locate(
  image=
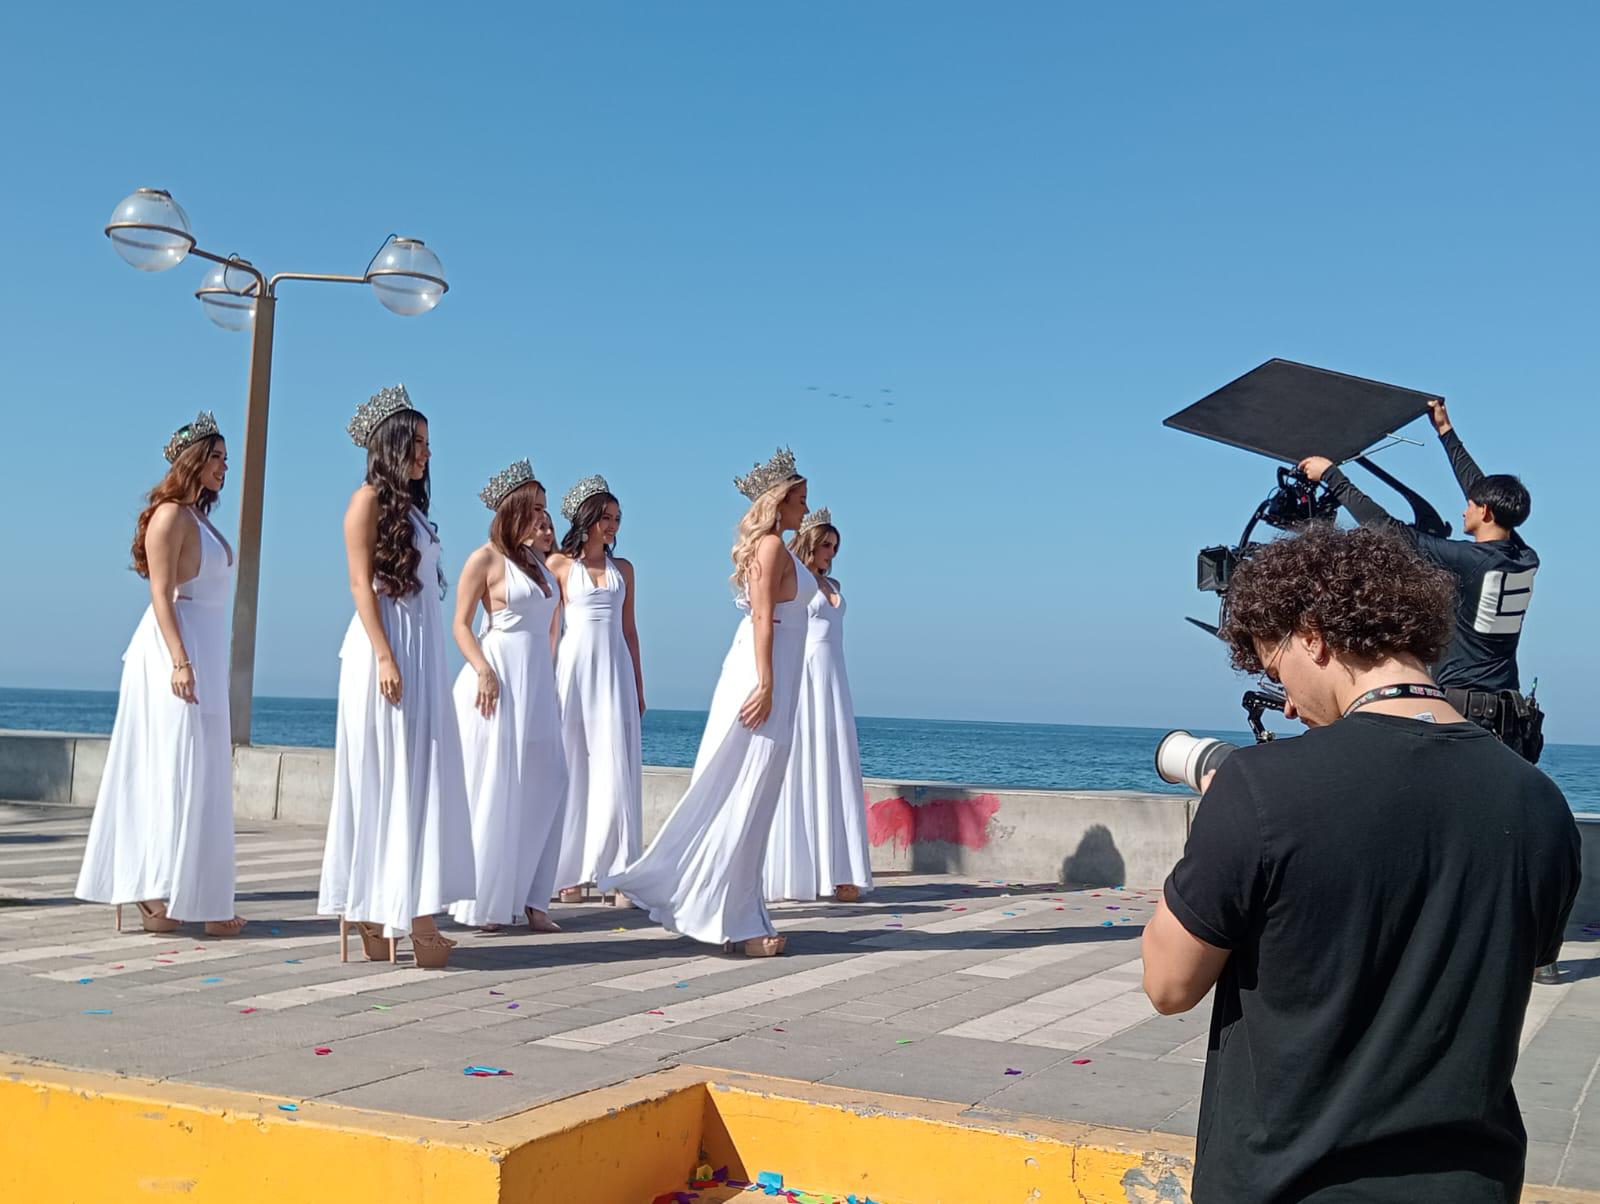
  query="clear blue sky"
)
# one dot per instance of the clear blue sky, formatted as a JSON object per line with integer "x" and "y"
{"x": 1044, "y": 226}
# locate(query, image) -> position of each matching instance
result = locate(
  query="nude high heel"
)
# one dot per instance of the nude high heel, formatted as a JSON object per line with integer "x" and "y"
{"x": 154, "y": 917}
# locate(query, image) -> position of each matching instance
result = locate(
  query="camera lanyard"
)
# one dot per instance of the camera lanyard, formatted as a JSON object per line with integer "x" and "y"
{"x": 1388, "y": 693}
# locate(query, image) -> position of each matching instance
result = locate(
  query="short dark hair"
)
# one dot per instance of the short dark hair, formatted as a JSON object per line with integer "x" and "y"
{"x": 1368, "y": 593}
{"x": 1505, "y": 496}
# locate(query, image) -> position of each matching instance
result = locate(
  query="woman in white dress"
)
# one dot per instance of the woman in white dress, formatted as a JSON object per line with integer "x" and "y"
{"x": 507, "y": 709}
{"x": 162, "y": 833}
{"x": 399, "y": 846}
{"x": 701, "y": 876}
{"x": 819, "y": 836}
{"x": 601, "y": 685}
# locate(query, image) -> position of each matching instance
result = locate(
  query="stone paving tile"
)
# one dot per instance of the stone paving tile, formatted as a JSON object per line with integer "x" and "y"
{"x": 946, "y": 1068}
{"x": 923, "y": 956}
{"x": 1131, "y": 1092}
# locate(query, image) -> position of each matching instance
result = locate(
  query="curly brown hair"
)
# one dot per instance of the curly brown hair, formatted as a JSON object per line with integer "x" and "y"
{"x": 389, "y": 457}
{"x": 181, "y": 485}
{"x": 1368, "y": 593}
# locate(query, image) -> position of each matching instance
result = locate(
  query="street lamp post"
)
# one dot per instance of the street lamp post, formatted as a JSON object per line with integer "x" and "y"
{"x": 151, "y": 232}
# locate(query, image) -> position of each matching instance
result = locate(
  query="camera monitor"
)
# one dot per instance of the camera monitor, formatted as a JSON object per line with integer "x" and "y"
{"x": 1289, "y": 411}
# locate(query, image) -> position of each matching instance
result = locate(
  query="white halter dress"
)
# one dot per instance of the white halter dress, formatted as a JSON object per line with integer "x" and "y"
{"x": 399, "y": 835}
{"x": 819, "y": 836}
{"x": 701, "y": 876}
{"x": 604, "y": 825}
{"x": 516, "y": 770}
{"x": 163, "y": 823}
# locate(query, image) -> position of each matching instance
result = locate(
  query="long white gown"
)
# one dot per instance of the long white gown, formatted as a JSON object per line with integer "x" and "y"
{"x": 604, "y": 825}
{"x": 163, "y": 822}
{"x": 701, "y": 876}
{"x": 516, "y": 769}
{"x": 819, "y": 835}
{"x": 399, "y": 835}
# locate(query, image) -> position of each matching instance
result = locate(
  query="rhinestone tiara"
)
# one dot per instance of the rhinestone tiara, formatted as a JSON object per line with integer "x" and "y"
{"x": 821, "y": 516}
{"x": 580, "y": 493}
{"x": 205, "y": 423}
{"x": 502, "y": 484}
{"x": 385, "y": 402}
{"x": 764, "y": 476}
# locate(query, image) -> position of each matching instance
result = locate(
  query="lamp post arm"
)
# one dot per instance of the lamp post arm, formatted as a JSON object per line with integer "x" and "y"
{"x": 272, "y": 285}
{"x": 232, "y": 261}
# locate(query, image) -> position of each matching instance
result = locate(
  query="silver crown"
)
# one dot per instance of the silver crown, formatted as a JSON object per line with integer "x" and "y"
{"x": 821, "y": 516}
{"x": 382, "y": 404}
{"x": 503, "y": 482}
{"x": 582, "y": 492}
{"x": 764, "y": 476}
{"x": 205, "y": 423}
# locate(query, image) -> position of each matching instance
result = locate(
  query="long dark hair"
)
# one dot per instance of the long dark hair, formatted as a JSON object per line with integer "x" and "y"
{"x": 512, "y": 523}
{"x": 181, "y": 485}
{"x": 390, "y": 455}
{"x": 589, "y": 512}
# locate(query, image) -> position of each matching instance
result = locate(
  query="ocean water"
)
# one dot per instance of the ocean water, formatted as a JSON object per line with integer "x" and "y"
{"x": 1018, "y": 755}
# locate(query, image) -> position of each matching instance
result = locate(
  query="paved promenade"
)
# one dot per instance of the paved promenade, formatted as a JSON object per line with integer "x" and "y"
{"x": 1003, "y": 998}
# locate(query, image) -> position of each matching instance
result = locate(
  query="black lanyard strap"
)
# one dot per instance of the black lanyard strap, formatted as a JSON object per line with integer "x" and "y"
{"x": 1389, "y": 693}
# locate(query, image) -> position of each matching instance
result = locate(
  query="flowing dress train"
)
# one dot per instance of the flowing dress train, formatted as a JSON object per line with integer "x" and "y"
{"x": 399, "y": 841}
{"x": 603, "y": 827}
{"x": 701, "y": 876}
{"x": 819, "y": 835}
{"x": 516, "y": 770}
{"x": 163, "y": 821}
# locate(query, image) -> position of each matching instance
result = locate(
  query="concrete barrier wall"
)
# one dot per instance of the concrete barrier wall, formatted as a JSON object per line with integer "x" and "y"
{"x": 1103, "y": 838}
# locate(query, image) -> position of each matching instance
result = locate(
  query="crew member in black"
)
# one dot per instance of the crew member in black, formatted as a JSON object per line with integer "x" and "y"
{"x": 1494, "y": 571}
{"x": 1368, "y": 899}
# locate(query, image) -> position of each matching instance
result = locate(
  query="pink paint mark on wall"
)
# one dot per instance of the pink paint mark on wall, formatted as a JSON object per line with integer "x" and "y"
{"x": 963, "y": 821}
{"x": 891, "y": 819}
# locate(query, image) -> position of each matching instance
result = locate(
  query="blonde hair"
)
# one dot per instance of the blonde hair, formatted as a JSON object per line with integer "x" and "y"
{"x": 805, "y": 543}
{"x": 761, "y": 519}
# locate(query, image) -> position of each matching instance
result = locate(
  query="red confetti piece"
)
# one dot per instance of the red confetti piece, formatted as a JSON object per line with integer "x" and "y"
{"x": 1081, "y": 1061}
{"x": 246, "y": 1011}
{"x": 655, "y": 1012}
{"x": 165, "y": 961}
{"x": 780, "y": 1030}
{"x": 322, "y": 1051}
{"x": 119, "y": 966}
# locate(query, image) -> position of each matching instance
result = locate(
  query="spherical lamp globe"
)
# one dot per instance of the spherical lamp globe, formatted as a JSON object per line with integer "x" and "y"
{"x": 407, "y": 277}
{"x": 228, "y": 295}
{"x": 150, "y": 230}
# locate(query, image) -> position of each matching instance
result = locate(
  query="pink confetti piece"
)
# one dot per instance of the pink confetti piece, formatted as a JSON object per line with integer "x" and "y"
{"x": 165, "y": 961}
{"x": 1081, "y": 1061}
{"x": 119, "y": 966}
{"x": 322, "y": 1051}
{"x": 655, "y": 1012}
{"x": 246, "y": 1011}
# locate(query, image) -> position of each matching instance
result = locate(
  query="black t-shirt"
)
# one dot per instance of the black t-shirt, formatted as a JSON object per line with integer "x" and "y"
{"x": 1386, "y": 887}
{"x": 1494, "y": 584}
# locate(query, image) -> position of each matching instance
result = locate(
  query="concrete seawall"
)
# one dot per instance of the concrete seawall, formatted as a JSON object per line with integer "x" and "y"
{"x": 1102, "y": 838}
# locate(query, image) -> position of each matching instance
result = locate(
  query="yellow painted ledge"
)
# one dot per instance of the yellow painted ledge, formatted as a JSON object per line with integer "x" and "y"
{"x": 74, "y": 1136}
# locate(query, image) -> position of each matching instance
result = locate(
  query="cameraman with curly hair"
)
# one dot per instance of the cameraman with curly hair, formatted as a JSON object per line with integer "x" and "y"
{"x": 1369, "y": 900}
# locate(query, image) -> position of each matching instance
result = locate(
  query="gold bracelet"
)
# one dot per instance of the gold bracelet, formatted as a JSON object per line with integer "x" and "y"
{"x": 179, "y": 668}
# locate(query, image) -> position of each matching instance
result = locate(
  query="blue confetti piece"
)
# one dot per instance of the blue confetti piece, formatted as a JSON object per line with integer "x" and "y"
{"x": 1105, "y": 924}
{"x": 275, "y": 931}
{"x": 81, "y": 981}
{"x": 97, "y": 1011}
{"x": 288, "y": 1107}
{"x": 680, "y": 985}
{"x": 291, "y": 961}
{"x": 210, "y": 980}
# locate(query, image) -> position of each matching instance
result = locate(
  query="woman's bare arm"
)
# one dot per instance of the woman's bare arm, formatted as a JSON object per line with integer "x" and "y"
{"x": 762, "y": 586}
{"x": 360, "y": 542}
{"x": 164, "y": 539}
{"x": 630, "y": 630}
{"x": 472, "y": 589}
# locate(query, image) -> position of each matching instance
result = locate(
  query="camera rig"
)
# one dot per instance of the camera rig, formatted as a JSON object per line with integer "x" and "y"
{"x": 1287, "y": 411}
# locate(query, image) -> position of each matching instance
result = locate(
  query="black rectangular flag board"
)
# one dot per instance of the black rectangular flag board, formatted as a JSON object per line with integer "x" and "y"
{"x": 1289, "y": 411}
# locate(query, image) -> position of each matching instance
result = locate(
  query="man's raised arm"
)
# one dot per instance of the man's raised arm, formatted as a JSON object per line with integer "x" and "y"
{"x": 1463, "y": 465}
